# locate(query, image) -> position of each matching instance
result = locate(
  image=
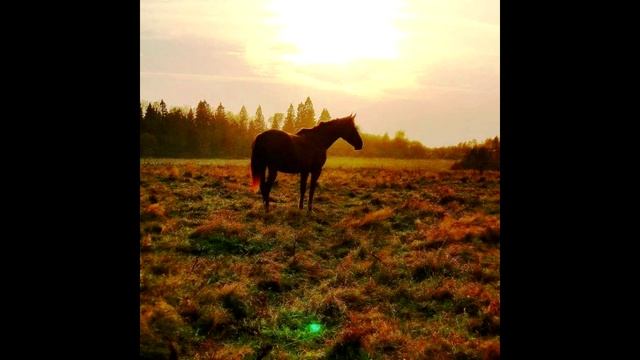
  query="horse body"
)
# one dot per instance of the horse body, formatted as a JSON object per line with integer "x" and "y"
{"x": 287, "y": 153}
{"x": 303, "y": 153}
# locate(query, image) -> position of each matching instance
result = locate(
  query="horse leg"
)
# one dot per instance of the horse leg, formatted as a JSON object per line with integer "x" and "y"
{"x": 263, "y": 190}
{"x": 312, "y": 188}
{"x": 303, "y": 187}
{"x": 270, "y": 180}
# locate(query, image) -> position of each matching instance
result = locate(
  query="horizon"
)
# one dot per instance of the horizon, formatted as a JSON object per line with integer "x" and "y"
{"x": 145, "y": 103}
{"x": 431, "y": 69}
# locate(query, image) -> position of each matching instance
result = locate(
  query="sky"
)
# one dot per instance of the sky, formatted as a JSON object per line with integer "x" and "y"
{"x": 429, "y": 68}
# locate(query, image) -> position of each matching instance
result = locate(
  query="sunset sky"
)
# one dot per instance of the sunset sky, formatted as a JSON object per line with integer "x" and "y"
{"x": 430, "y": 68}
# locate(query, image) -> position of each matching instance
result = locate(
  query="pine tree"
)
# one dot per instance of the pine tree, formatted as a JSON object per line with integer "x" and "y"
{"x": 163, "y": 109}
{"x": 309, "y": 119}
{"x": 219, "y": 128}
{"x": 299, "y": 123}
{"x": 276, "y": 120}
{"x": 220, "y": 115}
{"x": 243, "y": 118}
{"x": 203, "y": 114}
{"x": 191, "y": 146}
{"x": 150, "y": 114}
{"x": 151, "y": 119}
{"x": 202, "y": 125}
{"x": 175, "y": 137}
{"x": 324, "y": 116}
{"x": 260, "y": 125}
{"x": 148, "y": 140}
{"x": 231, "y": 117}
{"x": 289, "y": 122}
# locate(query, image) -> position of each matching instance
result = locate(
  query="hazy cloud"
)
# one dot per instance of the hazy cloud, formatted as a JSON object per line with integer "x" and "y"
{"x": 434, "y": 70}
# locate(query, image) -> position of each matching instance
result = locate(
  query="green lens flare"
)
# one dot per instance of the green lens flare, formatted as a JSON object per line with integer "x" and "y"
{"x": 314, "y": 327}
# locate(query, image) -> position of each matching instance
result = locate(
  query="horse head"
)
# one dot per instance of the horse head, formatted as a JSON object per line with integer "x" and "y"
{"x": 350, "y": 132}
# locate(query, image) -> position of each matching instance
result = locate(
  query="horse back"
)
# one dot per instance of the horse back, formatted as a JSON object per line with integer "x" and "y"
{"x": 286, "y": 152}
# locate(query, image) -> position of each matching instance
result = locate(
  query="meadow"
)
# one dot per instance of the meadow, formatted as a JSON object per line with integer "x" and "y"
{"x": 400, "y": 259}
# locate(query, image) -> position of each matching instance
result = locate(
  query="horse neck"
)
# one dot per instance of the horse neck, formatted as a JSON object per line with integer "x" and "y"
{"x": 327, "y": 136}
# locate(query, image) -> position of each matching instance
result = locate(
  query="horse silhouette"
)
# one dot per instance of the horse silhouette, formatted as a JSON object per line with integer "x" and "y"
{"x": 304, "y": 153}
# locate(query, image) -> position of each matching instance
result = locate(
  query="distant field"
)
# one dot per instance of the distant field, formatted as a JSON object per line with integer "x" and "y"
{"x": 399, "y": 260}
{"x": 332, "y": 162}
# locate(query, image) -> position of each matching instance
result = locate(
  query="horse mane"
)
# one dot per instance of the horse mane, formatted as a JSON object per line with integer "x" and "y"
{"x": 304, "y": 131}
{"x": 322, "y": 125}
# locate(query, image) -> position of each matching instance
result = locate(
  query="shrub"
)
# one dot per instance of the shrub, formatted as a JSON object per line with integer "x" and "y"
{"x": 479, "y": 158}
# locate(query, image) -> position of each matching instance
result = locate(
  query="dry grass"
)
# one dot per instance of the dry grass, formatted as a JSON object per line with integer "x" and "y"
{"x": 153, "y": 211}
{"x": 397, "y": 261}
{"x": 220, "y": 225}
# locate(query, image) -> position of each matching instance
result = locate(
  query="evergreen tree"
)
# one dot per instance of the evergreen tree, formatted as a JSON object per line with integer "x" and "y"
{"x": 174, "y": 140}
{"x": 150, "y": 114}
{"x": 243, "y": 118}
{"x": 148, "y": 141}
{"x": 203, "y": 114}
{"x": 252, "y": 131}
{"x": 276, "y": 120}
{"x": 151, "y": 120}
{"x": 299, "y": 117}
{"x": 191, "y": 147}
{"x": 220, "y": 115}
{"x": 289, "y": 122}
{"x": 202, "y": 127}
{"x": 309, "y": 118}
{"x": 260, "y": 125}
{"x": 219, "y": 141}
{"x": 163, "y": 110}
{"x": 324, "y": 116}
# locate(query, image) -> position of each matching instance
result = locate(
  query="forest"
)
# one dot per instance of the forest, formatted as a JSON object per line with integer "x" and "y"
{"x": 181, "y": 132}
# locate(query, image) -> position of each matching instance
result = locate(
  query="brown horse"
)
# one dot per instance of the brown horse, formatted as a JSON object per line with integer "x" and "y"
{"x": 302, "y": 153}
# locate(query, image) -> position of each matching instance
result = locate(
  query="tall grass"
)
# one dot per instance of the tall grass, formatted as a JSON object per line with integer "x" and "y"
{"x": 400, "y": 259}
{"x": 434, "y": 165}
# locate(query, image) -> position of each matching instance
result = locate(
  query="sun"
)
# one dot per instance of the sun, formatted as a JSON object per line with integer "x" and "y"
{"x": 356, "y": 47}
{"x": 335, "y": 32}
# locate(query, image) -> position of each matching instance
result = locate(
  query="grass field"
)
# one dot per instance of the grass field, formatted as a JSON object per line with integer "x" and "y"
{"x": 400, "y": 259}
{"x": 332, "y": 162}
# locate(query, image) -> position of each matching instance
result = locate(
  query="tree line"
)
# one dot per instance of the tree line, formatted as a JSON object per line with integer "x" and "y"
{"x": 485, "y": 156}
{"x": 219, "y": 133}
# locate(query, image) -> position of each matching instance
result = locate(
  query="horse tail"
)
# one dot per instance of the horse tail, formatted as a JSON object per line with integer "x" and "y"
{"x": 257, "y": 166}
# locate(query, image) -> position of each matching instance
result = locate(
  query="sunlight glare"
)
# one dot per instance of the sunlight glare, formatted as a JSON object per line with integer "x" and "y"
{"x": 336, "y": 31}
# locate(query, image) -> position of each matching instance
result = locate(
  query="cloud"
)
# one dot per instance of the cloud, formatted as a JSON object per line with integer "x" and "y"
{"x": 209, "y": 77}
{"x": 437, "y": 74}
{"x": 283, "y": 39}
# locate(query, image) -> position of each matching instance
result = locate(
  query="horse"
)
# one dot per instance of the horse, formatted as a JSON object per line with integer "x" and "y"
{"x": 304, "y": 153}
